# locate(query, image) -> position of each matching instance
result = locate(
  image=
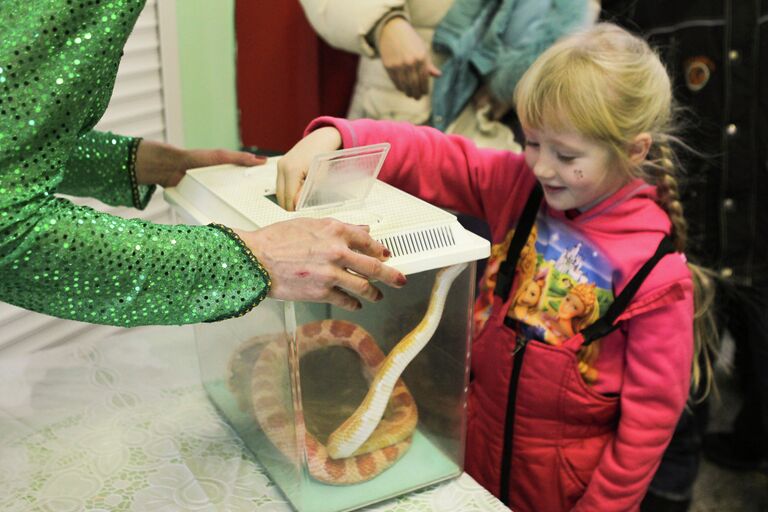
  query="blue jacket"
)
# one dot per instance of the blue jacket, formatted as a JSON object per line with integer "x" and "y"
{"x": 494, "y": 42}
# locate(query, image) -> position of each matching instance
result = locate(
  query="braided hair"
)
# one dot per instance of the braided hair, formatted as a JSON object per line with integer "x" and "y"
{"x": 661, "y": 171}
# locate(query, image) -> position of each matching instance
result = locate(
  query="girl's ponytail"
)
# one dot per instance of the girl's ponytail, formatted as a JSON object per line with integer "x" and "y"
{"x": 661, "y": 172}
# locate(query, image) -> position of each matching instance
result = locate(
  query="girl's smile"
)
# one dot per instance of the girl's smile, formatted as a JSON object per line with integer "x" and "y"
{"x": 551, "y": 190}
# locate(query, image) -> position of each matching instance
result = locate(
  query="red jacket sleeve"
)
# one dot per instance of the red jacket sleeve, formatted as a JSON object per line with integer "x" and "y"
{"x": 446, "y": 170}
{"x": 654, "y": 392}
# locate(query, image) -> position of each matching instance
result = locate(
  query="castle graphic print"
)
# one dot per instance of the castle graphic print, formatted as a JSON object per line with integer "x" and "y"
{"x": 564, "y": 285}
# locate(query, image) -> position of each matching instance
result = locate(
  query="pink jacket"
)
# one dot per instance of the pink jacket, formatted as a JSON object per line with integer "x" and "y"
{"x": 647, "y": 361}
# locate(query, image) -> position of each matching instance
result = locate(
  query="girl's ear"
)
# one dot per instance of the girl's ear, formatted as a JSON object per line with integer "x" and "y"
{"x": 639, "y": 148}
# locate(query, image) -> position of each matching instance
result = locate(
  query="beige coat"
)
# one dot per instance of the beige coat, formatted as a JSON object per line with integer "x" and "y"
{"x": 344, "y": 24}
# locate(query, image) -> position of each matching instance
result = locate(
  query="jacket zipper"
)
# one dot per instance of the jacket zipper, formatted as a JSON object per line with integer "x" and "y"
{"x": 518, "y": 353}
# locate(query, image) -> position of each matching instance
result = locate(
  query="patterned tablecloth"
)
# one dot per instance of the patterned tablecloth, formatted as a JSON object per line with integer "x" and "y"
{"x": 124, "y": 424}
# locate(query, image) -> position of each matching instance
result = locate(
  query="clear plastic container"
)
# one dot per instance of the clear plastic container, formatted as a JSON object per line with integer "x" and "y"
{"x": 287, "y": 374}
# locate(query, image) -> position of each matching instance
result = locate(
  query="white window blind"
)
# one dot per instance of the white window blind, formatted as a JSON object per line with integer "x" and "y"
{"x": 139, "y": 107}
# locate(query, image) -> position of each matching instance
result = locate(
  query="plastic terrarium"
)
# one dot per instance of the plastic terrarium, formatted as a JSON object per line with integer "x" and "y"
{"x": 344, "y": 409}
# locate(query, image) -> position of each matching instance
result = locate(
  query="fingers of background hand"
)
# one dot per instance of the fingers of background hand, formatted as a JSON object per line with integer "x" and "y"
{"x": 222, "y": 156}
{"x": 397, "y": 77}
{"x": 412, "y": 78}
{"x": 405, "y": 79}
{"x": 247, "y": 159}
{"x": 423, "y": 79}
{"x": 201, "y": 158}
{"x": 433, "y": 70}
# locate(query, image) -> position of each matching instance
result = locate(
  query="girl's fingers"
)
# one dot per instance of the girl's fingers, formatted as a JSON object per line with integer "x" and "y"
{"x": 293, "y": 189}
{"x": 280, "y": 187}
{"x": 288, "y": 185}
{"x": 295, "y": 199}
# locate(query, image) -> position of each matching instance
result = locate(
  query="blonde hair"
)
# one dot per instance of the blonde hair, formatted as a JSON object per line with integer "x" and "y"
{"x": 610, "y": 86}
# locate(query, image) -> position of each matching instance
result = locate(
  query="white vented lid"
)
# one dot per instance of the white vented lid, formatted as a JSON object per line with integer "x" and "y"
{"x": 419, "y": 235}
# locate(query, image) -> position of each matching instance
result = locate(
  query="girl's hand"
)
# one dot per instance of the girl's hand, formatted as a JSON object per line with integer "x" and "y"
{"x": 322, "y": 260}
{"x": 161, "y": 164}
{"x": 292, "y": 168}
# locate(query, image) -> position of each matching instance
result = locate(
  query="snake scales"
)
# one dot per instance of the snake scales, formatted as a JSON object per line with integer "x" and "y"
{"x": 380, "y": 430}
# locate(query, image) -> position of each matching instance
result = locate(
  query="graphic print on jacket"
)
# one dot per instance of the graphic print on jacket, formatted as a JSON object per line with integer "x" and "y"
{"x": 564, "y": 285}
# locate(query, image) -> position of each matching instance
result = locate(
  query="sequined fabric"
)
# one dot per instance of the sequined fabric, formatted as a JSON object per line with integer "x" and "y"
{"x": 58, "y": 60}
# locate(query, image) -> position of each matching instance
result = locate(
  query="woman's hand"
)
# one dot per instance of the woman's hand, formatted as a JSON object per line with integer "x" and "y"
{"x": 406, "y": 58}
{"x": 292, "y": 168}
{"x": 161, "y": 164}
{"x": 322, "y": 260}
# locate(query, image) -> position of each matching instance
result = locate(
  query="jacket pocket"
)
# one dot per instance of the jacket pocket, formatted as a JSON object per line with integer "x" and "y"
{"x": 572, "y": 485}
{"x": 578, "y": 460}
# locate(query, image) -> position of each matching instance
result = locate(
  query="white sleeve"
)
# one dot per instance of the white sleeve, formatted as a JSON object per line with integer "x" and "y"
{"x": 344, "y": 24}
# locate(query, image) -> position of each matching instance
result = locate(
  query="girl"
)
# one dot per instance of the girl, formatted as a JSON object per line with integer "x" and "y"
{"x": 579, "y": 422}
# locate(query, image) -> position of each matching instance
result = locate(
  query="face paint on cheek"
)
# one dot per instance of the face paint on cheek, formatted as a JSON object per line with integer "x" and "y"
{"x": 578, "y": 174}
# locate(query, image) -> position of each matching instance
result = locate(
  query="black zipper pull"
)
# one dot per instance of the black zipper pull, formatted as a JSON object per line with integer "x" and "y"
{"x": 520, "y": 342}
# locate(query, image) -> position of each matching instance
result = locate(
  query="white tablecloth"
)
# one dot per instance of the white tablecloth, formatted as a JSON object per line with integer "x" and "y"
{"x": 124, "y": 424}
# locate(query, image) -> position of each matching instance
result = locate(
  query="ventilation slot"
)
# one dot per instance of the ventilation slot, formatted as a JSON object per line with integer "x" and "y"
{"x": 419, "y": 241}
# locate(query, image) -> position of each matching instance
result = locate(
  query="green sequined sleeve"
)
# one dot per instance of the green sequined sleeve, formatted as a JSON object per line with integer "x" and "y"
{"x": 102, "y": 166}
{"x": 57, "y": 68}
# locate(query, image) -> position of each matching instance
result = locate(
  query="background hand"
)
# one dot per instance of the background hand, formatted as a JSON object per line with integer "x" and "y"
{"x": 161, "y": 164}
{"x": 292, "y": 168}
{"x": 406, "y": 58}
{"x": 311, "y": 259}
{"x": 484, "y": 99}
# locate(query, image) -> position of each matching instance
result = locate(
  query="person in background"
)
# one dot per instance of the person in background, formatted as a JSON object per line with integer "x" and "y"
{"x": 450, "y": 64}
{"x": 715, "y": 51}
{"x": 578, "y": 381}
{"x": 58, "y": 63}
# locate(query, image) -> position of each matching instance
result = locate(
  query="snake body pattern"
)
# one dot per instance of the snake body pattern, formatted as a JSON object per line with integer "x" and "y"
{"x": 380, "y": 430}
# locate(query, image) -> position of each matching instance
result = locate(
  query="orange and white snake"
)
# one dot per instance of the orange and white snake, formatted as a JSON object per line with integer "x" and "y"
{"x": 380, "y": 430}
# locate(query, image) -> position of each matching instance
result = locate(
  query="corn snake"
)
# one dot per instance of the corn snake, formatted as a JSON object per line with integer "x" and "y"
{"x": 380, "y": 431}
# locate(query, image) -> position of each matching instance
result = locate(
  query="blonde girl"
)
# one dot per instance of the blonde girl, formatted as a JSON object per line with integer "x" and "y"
{"x": 596, "y": 109}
